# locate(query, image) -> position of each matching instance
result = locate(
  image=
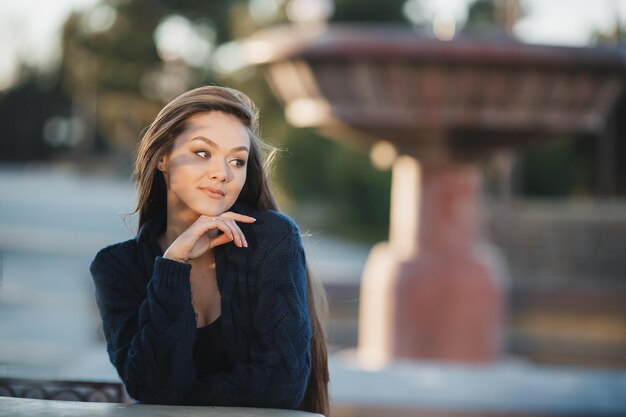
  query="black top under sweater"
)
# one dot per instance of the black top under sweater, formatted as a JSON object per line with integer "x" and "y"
{"x": 208, "y": 350}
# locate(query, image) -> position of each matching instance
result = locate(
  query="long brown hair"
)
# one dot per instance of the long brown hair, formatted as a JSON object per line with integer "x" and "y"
{"x": 158, "y": 140}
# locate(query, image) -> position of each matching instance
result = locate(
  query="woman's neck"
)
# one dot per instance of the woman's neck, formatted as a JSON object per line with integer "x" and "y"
{"x": 169, "y": 236}
{"x": 177, "y": 222}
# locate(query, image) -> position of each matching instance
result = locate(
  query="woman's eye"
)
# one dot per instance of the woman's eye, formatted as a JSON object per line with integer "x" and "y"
{"x": 203, "y": 154}
{"x": 238, "y": 162}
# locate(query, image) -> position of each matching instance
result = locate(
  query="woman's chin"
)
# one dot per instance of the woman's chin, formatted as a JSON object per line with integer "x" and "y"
{"x": 213, "y": 211}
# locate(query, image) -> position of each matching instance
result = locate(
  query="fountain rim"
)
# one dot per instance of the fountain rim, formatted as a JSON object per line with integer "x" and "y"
{"x": 394, "y": 42}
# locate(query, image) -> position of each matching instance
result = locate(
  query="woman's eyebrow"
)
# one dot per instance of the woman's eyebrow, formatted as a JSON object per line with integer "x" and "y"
{"x": 214, "y": 145}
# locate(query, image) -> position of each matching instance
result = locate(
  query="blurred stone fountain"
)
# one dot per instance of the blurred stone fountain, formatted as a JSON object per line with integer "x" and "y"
{"x": 432, "y": 109}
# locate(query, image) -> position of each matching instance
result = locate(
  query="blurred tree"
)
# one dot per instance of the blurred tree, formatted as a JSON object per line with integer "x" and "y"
{"x": 123, "y": 59}
{"x": 617, "y": 128}
{"x": 335, "y": 187}
{"x": 611, "y": 149}
{"x": 617, "y": 34}
{"x": 114, "y": 43}
{"x": 25, "y": 111}
{"x": 583, "y": 165}
{"x": 369, "y": 11}
{"x": 495, "y": 14}
{"x": 556, "y": 168}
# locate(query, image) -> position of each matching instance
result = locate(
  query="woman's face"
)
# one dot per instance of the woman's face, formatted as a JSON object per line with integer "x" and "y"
{"x": 206, "y": 168}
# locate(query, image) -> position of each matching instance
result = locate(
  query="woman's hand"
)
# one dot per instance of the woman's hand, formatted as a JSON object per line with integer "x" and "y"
{"x": 204, "y": 234}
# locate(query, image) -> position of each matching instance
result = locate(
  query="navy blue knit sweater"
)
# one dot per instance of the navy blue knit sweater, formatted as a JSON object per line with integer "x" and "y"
{"x": 150, "y": 325}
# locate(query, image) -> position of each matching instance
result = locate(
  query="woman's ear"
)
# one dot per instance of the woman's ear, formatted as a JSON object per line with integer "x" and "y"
{"x": 161, "y": 165}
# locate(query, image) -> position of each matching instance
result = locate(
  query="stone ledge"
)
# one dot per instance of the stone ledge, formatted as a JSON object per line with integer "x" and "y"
{"x": 21, "y": 407}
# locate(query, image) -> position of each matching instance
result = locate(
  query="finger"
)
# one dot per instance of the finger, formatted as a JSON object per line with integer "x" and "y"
{"x": 236, "y": 232}
{"x": 238, "y": 217}
{"x": 220, "y": 240}
{"x": 212, "y": 223}
{"x": 226, "y": 228}
{"x": 239, "y": 233}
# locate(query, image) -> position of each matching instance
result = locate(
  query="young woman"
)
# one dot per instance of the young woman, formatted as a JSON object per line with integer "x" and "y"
{"x": 212, "y": 302}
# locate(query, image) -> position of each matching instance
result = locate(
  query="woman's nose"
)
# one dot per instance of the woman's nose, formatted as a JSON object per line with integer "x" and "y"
{"x": 219, "y": 171}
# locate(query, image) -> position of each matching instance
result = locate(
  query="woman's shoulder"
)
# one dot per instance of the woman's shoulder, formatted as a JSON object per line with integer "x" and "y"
{"x": 276, "y": 220}
{"x": 114, "y": 255}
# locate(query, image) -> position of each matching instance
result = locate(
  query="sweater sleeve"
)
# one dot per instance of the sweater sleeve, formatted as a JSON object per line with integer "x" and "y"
{"x": 149, "y": 335}
{"x": 280, "y": 360}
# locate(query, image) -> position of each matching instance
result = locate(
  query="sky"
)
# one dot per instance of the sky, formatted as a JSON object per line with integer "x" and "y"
{"x": 557, "y": 22}
{"x": 29, "y": 28}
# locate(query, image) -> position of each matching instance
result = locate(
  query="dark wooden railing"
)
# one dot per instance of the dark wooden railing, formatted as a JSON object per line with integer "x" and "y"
{"x": 86, "y": 391}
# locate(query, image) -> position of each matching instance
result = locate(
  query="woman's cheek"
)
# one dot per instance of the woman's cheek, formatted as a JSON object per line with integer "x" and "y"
{"x": 241, "y": 184}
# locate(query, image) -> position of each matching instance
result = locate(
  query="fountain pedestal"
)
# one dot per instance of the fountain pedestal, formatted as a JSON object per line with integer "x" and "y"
{"x": 433, "y": 290}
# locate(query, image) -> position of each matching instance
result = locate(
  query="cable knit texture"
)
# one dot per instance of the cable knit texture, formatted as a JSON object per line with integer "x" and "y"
{"x": 150, "y": 325}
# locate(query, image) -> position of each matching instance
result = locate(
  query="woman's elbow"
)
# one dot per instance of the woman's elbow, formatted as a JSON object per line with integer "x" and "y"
{"x": 289, "y": 391}
{"x": 284, "y": 397}
{"x": 147, "y": 391}
{"x": 146, "y": 397}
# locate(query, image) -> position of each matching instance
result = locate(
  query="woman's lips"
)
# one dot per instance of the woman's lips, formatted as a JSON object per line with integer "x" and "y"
{"x": 214, "y": 193}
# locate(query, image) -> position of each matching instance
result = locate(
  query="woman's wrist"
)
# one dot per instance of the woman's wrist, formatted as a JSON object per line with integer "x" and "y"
{"x": 174, "y": 258}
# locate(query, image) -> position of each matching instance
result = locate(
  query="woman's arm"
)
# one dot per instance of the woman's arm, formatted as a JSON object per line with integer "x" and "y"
{"x": 149, "y": 336}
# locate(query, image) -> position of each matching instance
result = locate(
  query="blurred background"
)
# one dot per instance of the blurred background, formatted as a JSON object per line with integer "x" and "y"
{"x": 80, "y": 79}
